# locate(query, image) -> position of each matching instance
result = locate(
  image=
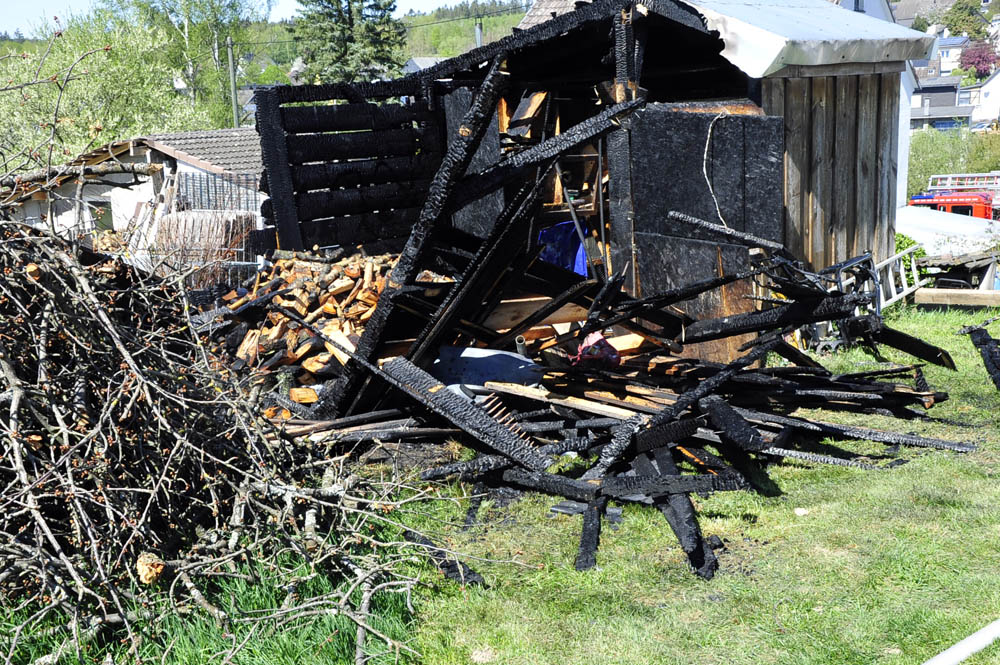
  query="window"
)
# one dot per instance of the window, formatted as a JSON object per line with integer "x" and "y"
{"x": 945, "y": 53}
{"x": 962, "y": 210}
{"x": 964, "y": 98}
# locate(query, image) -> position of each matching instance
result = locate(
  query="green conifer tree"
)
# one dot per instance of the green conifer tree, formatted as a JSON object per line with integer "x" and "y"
{"x": 349, "y": 40}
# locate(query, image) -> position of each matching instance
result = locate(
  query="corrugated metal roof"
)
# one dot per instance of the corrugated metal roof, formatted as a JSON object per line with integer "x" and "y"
{"x": 763, "y": 36}
{"x": 215, "y": 150}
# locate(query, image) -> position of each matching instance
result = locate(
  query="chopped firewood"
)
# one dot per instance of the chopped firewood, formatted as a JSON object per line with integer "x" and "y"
{"x": 248, "y": 349}
{"x": 303, "y": 395}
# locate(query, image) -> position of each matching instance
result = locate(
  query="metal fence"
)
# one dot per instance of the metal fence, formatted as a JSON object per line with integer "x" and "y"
{"x": 207, "y": 227}
{"x": 204, "y": 191}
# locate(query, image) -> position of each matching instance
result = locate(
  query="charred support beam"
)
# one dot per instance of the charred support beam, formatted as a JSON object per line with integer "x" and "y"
{"x": 796, "y": 314}
{"x": 680, "y": 515}
{"x": 452, "y": 568}
{"x": 624, "y": 56}
{"x": 726, "y": 234}
{"x": 873, "y": 327}
{"x": 621, "y": 208}
{"x": 989, "y": 351}
{"x": 590, "y": 537}
{"x": 856, "y": 433}
{"x": 274, "y": 154}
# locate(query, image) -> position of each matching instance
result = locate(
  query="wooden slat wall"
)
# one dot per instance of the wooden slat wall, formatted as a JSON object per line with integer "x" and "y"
{"x": 840, "y": 162}
{"x": 355, "y": 161}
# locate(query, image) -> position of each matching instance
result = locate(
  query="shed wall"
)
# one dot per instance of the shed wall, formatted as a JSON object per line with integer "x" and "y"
{"x": 841, "y": 143}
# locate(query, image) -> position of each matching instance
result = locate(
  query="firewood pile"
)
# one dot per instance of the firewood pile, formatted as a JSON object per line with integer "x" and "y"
{"x": 136, "y": 476}
{"x": 588, "y": 394}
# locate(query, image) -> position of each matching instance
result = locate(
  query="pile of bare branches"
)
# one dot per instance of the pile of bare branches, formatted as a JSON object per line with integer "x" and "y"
{"x": 135, "y": 476}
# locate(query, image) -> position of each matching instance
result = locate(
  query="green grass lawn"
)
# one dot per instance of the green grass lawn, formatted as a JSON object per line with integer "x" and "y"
{"x": 874, "y": 566}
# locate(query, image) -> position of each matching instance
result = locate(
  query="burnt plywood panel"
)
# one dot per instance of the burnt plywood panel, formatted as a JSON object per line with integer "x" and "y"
{"x": 741, "y": 155}
{"x": 477, "y": 217}
{"x": 670, "y": 262}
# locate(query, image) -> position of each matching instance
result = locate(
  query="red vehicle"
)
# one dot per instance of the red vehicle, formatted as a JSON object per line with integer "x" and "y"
{"x": 972, "y": 204}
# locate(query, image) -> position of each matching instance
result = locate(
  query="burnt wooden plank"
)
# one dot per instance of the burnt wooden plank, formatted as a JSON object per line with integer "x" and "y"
{"x": 797, "y": 163}
{"x": 620, "y": 206}
{"x": 476, "y": 217}
{"x": 274, "y": 155}
{"x": 334, "y": 175}
{"x": 845, "y": 176}
{"x": 353, "y": 92}
{"x": 343, "y": 202}
{"x": 866, "y": 165}
{"x": 763, "y": 155}
{"x": 304, "y": 148}
{"x": 820, "y": 174}
{"x": 352, "y": 117}
{"x": 359, "y": 229}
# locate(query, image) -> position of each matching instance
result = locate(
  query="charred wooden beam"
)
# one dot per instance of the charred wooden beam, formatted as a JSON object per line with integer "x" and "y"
{"x": 871, "y": 326}
{"x": 483, "y": 464}
{"x": 353, "y": 117}
{"x": 590, "y": 536}
{"x": 856, "y": 433}
{"x": 623, "y": 487}
{"x": 794, "y": 314}
{"x": 549, "y": 483}
{"x": 274, "y": 155}
{"x": 680, "y": 515}
{"x": 989, "y": 351}
{"x": 463, "y": 413}
{"x": 447, "y": 563}
{"x": 359, "y": 200}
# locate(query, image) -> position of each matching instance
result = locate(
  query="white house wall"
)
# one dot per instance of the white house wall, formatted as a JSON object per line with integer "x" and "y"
{"x": 906, "y": 85}
{"x": 989, "y": 101}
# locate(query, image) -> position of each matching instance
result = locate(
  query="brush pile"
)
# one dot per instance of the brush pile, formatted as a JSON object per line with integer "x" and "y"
{"x": 135, "y": 476}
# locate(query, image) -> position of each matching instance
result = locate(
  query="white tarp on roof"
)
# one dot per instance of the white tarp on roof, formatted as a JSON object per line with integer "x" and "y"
{"x": 945, "y": 232}
{"x": 763, "y": 36}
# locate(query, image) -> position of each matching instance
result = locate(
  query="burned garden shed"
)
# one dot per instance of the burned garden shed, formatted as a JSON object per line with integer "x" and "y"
{"x": 621, "y": 121}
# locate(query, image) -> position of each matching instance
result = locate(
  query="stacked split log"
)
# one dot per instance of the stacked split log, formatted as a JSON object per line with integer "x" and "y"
{"x": 337, "y": 296}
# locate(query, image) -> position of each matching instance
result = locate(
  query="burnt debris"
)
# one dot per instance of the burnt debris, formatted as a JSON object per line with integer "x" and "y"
{"x": 571, "y": 259}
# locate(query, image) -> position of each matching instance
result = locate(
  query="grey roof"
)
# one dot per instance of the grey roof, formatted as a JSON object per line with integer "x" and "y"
{"x": 764, "y": 36}
{"x": 215, "y": 150}
{"x": 941, "y": 112}
{"x": 907, "y": 10}
{"x": 939, "y": 82}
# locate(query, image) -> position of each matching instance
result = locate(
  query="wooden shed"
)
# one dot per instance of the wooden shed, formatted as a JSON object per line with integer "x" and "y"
{"x": 834, "y": 76}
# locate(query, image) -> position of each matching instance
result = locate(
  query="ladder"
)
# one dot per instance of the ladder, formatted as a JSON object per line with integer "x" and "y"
{"x": 967, "y": 181}
{"x": 892, "y": 279}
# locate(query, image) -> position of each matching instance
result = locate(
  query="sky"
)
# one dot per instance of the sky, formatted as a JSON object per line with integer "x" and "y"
{"x": 25, "y": 16}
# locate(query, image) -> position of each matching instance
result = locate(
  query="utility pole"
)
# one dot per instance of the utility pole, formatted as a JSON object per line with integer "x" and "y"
{"x": 479, "y": 31}
{"x": 232, "y": 82}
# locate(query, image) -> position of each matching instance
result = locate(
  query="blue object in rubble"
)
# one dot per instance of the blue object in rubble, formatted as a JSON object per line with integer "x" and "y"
{"x": 562, "y": 247}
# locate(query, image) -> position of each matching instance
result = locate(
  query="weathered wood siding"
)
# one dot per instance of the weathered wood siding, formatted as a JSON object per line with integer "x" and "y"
{"x": 841, "y": 136}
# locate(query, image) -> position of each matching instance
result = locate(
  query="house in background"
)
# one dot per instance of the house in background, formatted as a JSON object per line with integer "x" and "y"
{"x": 907, "y": 10}
{"x": 200, "y": 204}
{"x": 984, "y": 98}
{"x": 935, "y": 104}
{"x": 949, "y": 50}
